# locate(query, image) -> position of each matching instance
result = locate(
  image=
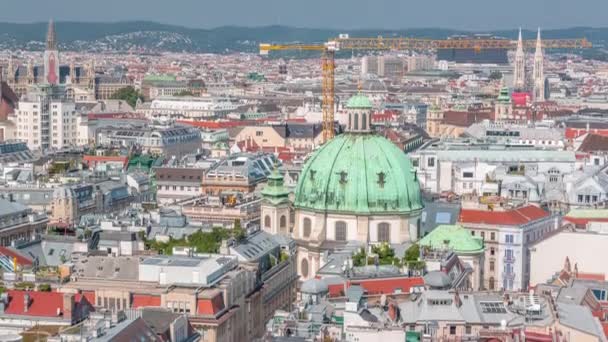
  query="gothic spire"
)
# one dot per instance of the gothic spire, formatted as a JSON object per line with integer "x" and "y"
{"x": 520, "y": 42}
{"x": 539, "y": 43}
{"x": 51, "y": 39}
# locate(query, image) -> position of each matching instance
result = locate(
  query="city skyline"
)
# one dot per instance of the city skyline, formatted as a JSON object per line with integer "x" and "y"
{"x": 385, "y": 14}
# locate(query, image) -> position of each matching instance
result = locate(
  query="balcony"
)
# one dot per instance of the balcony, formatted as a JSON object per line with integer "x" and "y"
{"x": 509, "y": 259}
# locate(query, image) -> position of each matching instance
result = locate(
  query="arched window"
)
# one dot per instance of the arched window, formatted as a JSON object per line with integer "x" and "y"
{"x": 283, "y": 221}
{"x": 384, "y": 232}
{"x": 356, "y": 126}
{"x": 340, "y": 231}
{"x": 364, "y": 121}
{"x": 304, "y": 268}
{"x": 491, "y": 285}
{"x": 307, "y": 227}
{"x": 267, "y": 221}
{"x": 350, "y": 121}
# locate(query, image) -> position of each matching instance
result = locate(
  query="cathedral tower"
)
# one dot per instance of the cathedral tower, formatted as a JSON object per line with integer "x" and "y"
{"x": 539, "y": 74}
{"x": 51, "y": 56}
{"x": 519, "y": 72}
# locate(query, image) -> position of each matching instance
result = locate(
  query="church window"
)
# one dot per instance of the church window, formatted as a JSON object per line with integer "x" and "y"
{"x": 267, "y": 221}
{"x": 340, "y": 231}
{"x": 356, "y": 126}
{"x": 307, "y": 227}
{"x": 304, "y": 268}
{"x": 364, "y": 121}
{"x": 384, "y": 232}
{"x": 283, "y": 221}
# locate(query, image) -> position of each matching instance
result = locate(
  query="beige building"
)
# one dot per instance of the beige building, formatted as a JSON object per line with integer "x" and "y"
{"x": 294, "y": 136}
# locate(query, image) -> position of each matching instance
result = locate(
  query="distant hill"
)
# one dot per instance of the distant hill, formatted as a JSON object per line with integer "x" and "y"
{"x": 155, "y": 37}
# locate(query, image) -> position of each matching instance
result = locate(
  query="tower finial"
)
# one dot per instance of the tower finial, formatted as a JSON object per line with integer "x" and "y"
{"x": 51, "y": 39}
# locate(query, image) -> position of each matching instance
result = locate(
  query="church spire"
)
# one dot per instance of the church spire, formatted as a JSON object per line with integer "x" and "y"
{"x": 51, "y": 39}
{"x": 539, "y": 73}
{"x": 519, "y": 72}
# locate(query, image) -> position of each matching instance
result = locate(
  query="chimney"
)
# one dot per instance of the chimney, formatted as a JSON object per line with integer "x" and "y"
{"x": 69, "y": 306}
{"x": 26, "y": 302}
{"x": 457, "y": 300}
{"x": 393, "y": 311}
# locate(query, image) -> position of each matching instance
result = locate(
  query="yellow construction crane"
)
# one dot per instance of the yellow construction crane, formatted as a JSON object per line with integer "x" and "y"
{"x": 344, "y": 42}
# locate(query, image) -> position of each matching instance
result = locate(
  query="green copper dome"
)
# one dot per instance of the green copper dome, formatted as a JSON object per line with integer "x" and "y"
{"x": 359, "y": 174}
{"x": 455, "y": 238}
{"x": 359, "y": 101}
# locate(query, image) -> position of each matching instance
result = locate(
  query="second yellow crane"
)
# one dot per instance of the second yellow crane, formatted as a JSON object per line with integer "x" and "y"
{"x": 344, "y": 42}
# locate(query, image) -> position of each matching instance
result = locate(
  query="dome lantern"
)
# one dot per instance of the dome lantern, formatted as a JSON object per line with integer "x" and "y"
{"x": 359, "y": 114}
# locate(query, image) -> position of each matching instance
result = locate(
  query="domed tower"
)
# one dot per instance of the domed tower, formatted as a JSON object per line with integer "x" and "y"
{"x": 358, "y": 186}
{"x": 64, "y": 208}
{"x": 276, "y": 207}
{"x": 434, "y": 120}
{"x": 503, "y": 109}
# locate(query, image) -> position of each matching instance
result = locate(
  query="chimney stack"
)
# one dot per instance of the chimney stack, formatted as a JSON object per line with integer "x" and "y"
{"x": 68, "y": 306}
{"x": 26, "y": 302}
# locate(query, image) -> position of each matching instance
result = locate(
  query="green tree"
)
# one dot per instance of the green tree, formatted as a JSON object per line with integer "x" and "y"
{"x": 238, "y": 232}
{"x": 495, "y": 75}
{"x": 185, "y": 93}
{"x": 128, "y": 94}
{"x": 412, "y": 253}
{"x": 44, "y": 287}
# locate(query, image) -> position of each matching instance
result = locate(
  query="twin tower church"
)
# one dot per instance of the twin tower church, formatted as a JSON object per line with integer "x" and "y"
{"x": 358, "y": 186}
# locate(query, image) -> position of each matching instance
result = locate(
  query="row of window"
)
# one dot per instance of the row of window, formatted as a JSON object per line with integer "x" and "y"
{"x": 340, "y": 230}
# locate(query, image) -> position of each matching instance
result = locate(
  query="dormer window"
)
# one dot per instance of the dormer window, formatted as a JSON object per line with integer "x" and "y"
{"x": 312, "y": 175}
{"x": 381, "y": 179}
{"x": 343, "y": 177}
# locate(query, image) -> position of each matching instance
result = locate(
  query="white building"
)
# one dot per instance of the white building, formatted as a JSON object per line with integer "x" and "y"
{"x": 462, "y": 167}
{"x": 508, "y": 235}
{"x": 46, "y": 119}
{"x": 187, "y": 107}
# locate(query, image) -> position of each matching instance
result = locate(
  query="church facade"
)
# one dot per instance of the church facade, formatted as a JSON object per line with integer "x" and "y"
{"x": 79, "y": 81}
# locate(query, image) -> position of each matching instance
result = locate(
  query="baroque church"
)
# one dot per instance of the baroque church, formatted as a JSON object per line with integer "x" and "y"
{"x": 79, "y": 81}
{"x": 358, "y": 186}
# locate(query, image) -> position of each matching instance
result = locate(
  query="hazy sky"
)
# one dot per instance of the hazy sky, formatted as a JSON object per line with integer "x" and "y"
{"x": 390, "y": 14}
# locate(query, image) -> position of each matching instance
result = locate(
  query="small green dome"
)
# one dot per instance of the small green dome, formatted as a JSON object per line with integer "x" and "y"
{"x": 504, "y": 95}
{"x": 359, "y": 174}
{"x": 359, "y": 101}
{"x": 455, "y": 238}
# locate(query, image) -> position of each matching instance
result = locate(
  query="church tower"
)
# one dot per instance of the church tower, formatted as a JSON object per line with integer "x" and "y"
{"x": 519, "y": 73}
{"x": 276, "y": 207}
{"x": 539, "y": 74}
{"x": 51, "y": 56}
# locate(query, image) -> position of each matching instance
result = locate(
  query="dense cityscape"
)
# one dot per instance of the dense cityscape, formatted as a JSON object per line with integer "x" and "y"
{"x": 355, "y": 189}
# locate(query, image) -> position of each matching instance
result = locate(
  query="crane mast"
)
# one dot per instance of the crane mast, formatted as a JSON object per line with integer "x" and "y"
{"x": 344, "y": 42}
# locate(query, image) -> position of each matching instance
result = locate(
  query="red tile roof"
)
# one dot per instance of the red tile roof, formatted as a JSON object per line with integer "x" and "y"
{"x": 378, "y": 286}
{"x": 210, "y": 306}
{"x": 572, "y": 133}
{"x": 594, "y": 143}
{"x": 141, "y": 300}
{"x": 514, "y": 217}
{"x": 21, "y": 259}
{"x": 591, "y": 276}
{"x": 103, "y": 159}
{"x": 89, "y": 295}
{"x": 42, "y": 304}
